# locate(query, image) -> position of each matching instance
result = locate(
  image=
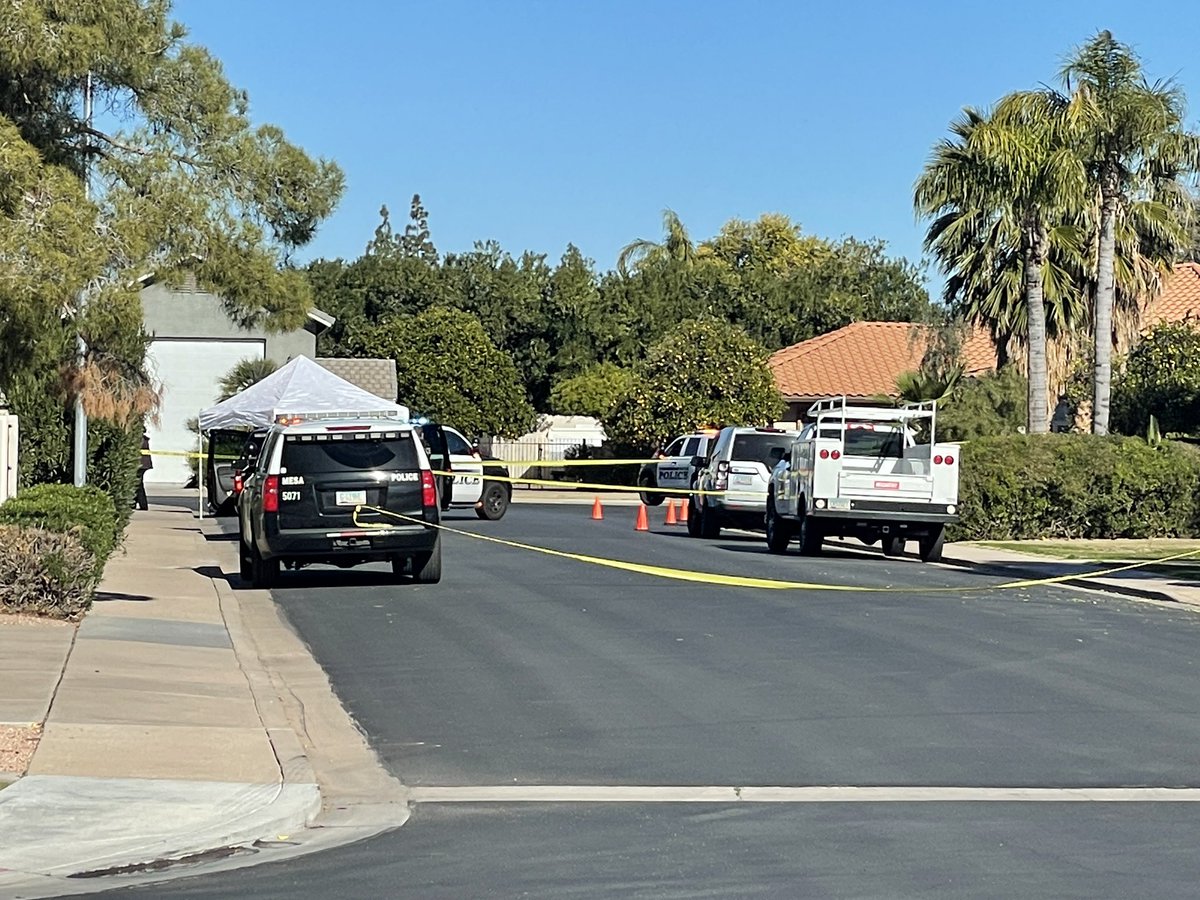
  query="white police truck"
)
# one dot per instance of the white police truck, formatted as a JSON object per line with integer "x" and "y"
{"x": 876, "y": 474}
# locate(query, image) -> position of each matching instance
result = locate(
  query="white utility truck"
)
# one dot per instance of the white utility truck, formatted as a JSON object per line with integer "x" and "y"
{"x": 873, "y": 473}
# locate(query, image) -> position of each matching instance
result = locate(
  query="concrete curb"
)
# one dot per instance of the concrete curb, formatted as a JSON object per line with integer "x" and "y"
{"x": 1109, "y": 586}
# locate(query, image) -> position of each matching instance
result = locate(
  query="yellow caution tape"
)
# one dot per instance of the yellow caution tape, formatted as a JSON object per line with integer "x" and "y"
{"x": 191, "y": 454}
{"x": 591, "y": 485}
{"x": 748, "y": 582}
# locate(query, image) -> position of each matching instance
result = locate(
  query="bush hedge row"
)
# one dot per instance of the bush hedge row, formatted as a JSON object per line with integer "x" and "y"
{"x": 87, "y": 512}
{"x": 44, "y": 572}
{"x": 1019, "y": 487}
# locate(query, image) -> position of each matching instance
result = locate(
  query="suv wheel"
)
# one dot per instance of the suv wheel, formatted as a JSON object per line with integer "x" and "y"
{"x": 494, "y": 502}
{"x": 648, "y": 498}
{"x": 264, "y": 573}
{"x": 693, "y": 516}
{"x": 245, "y": 568}
{"x": 779, "y": 531}
{"x": 427, "y": 567}
{"x": 710, "y": 527}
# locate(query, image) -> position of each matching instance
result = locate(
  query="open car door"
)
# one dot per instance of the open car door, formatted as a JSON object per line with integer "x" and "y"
{"x": 439, "y": 457}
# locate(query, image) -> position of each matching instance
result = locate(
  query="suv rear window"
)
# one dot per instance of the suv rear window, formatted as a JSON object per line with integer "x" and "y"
{"x": 758, "y": 447}
{"x": 877, "y": 443}
{"x": 348, "y": 454}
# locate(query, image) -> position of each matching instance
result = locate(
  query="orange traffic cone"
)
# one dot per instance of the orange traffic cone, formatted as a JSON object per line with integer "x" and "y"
{"x": 597, "y": 510}
{"x": 683, "y": 511}
{"x": 643, "y": 523}
{"x": 671, "y": 520}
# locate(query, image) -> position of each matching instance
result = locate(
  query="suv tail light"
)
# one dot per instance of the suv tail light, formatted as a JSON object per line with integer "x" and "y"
{"x": 722, "y": 475}
{"x": 428, "y": 489}
{"x": 271, "y": 494}
{"x": 237, "y": 482}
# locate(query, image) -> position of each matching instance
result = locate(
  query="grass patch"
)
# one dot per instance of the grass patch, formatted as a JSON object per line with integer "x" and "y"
{"x": 1115, "y": 552}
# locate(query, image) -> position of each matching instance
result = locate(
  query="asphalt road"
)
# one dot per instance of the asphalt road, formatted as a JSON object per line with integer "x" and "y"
{"x": 525, "y": 669}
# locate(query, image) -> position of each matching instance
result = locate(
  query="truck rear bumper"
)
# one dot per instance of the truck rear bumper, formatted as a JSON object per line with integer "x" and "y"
{"x": 875, "y": 512}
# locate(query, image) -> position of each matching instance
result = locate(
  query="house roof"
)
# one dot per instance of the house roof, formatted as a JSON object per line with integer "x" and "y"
{"x": 375, "y": 375}
{"x": 864, "y": 359}
{"x": 1179, "y": 298}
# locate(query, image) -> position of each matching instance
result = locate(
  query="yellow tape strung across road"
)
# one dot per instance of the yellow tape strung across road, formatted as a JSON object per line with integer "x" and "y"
{"x": 747, "y": 582}
{"x": 591, "y": 485}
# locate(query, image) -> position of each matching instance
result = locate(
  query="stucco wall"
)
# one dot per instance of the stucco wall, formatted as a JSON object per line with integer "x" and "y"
{"x": 200, "y": 315}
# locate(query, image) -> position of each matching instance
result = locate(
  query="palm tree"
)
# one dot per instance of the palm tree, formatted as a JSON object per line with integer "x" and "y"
{"x": 676, "y": 247}
{"x": 1131, "y": 138}
{"x": 999, "y": 191}
{"x": 245, "y": 373}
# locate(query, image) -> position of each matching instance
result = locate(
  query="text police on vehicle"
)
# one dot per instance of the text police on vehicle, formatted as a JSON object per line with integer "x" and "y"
{"x": 675, "y": 466}
{"x": 343, "y": 492}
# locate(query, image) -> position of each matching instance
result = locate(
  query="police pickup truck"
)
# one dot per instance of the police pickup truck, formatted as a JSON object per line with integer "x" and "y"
{"x": 866, "y": 472}
{"x": 675, "y": 466}
{"x": 341, "y": 492}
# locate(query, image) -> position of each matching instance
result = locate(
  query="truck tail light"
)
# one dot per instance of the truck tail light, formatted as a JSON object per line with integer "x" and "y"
{"x": 947, "y": 460}
{"x": 271, "y": 494}
{"x": 428, "y": 489}
{"x": 835, "y": 454}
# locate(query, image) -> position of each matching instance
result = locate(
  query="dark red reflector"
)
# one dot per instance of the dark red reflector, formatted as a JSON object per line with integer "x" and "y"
{"x": 949, "y": 460}
{"x": 836, "y": 454}
{"x": 937, "y": 460}
{"x": 824, "y": 454}
{"x": 271, "y": 494}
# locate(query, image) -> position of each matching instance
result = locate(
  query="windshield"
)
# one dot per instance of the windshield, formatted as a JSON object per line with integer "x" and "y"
{"x": 766, "y": 448}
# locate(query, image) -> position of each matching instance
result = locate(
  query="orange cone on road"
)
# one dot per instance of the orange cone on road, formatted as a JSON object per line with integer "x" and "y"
{"x": 683, "y": 511}
{"x": 671, "y": 520}
{"x": 643, "y": 524}
{"x": 597, "y": 510}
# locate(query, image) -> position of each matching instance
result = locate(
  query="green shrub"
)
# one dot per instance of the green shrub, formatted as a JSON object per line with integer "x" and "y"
{"x": 45, "y": 572}
{"x": 1018, "y": 487}
{"x": 87, "y": 512}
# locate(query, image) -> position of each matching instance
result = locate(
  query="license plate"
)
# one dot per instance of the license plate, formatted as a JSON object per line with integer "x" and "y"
{"x": 351, "y": 498}
{"x": 840, "y": 503}
{"x": 743, "y": 479}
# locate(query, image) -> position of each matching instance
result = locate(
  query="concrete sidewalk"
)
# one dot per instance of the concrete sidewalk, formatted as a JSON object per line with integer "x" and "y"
{"x": 1137, "y": 582}
{"x": 166, "y": 735}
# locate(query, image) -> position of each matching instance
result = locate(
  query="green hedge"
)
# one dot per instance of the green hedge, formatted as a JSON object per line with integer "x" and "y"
{"x": 1019, "y": 487}
{"x": 45, "y": 572}
{"x": 87, "y": 511}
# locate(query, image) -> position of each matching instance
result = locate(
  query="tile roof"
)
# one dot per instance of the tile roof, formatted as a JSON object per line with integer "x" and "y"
{"x": 375, "y": 375}
{"x": 864, "y": 359}
{"x": 1178, "y": 300}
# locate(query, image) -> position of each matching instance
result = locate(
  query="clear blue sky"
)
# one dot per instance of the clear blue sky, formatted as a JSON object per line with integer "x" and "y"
{"x": 542, "y": 123}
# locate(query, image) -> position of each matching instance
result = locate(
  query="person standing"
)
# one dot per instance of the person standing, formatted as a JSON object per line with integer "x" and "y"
{"x": 145, "y": 463}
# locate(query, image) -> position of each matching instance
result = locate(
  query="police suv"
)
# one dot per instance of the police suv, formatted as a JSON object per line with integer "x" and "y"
{"x": 733, "y": 480}
{"x": 342, "y": 492}
{"x": 674, "y": 466}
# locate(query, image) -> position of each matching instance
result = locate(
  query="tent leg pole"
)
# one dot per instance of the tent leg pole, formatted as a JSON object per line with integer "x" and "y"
{"x": 200, "y": 480}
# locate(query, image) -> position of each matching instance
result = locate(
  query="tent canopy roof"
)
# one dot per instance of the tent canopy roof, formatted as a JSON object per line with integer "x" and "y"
{"x": 301, "y": 386}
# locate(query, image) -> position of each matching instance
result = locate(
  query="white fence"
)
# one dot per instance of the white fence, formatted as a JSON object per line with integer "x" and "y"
{"x": 8, "y": 456}
{"x": 525, "y": 455}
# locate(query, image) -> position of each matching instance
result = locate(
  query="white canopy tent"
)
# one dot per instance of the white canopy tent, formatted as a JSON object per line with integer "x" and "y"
{"x": 301, "y": 386}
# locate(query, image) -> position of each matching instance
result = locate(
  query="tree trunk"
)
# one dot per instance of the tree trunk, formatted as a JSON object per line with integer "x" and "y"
{"x": 1037, "y": 242}
{"x": 1105, "y": 296}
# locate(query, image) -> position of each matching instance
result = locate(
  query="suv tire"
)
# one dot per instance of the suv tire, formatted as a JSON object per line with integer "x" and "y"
{"x": 693, "y": 516}
{"x": 494, "y": 502}
{"x": 710, "y": 525}
{"x": 245, "y": 569}
{"x": 264, "y": 573}
{"x": 427, "y": 567}
{"x": 779, "y": 531}
{"x": 648, "y": 498}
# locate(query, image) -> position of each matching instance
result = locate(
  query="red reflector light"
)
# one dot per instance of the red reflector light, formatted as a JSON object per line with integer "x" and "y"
{"x": 836, "y": 454}
{"x": 937, "y": 460}
{"x": 824, "y": 454}
{"x": 271, "y": 494}
{"x": 949, "y": 460}
{"x": 428, "y": 489}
